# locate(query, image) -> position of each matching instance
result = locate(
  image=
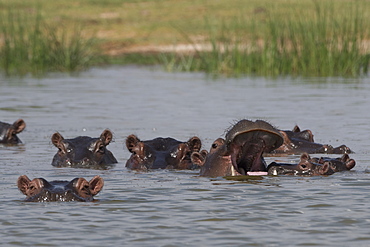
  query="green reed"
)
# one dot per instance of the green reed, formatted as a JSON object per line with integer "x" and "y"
{"x": 29, "y": 45}
{"x": 325, "y": 43}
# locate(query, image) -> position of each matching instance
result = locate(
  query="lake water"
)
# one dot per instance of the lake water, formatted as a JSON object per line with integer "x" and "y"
{"x": 178, "y": 208}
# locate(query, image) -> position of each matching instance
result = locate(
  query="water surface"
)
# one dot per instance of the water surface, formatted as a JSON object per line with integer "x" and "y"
{"x": 178, "y": 208}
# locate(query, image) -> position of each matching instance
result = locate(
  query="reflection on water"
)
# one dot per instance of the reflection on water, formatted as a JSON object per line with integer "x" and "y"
{"x": 178, "y": 208}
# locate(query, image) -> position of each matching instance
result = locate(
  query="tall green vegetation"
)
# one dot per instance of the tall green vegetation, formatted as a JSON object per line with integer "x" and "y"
{"x": 327, "y": 43}
{"x": 29, "y": 45}
{"x": 235, "y": 37}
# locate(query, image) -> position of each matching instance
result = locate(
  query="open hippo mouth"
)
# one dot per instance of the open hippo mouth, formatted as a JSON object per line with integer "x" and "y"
{"x": 247, "y": 141}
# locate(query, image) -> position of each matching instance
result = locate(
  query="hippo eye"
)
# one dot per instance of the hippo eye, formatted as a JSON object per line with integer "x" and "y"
{"x": 214, "y": 145}
{"x": 303, "y": 166}
{"x": 101, "y": 149}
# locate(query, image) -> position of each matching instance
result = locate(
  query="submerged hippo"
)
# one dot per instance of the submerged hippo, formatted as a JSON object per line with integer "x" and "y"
{"x": 298, "y": 142}
{"x": 313, "y": 166}
{"x": 161, "y": 153}
{"x": 83, "y": 151}
{"x": 8, "y": 132}
{"x": 340, "y": 164}
{"x": 241, "y": 151}
{"x": 305, "y": 167}
{"x": 78, "y": 189}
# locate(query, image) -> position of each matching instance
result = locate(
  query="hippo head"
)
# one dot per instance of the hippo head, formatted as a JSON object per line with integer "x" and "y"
{"x": 340, "y": 164}
{"x": 305, "y": 167}
{"x": 297, "y": 142}
{"x": 83, "y": 151}
{"x": 241, "y": 151}
{"x": 161, "y": 153}
{"x": 216, "y": 162}
{"x": 78, "y": 189}
{"x": 297, "y": 133}
{"x": 8, "y": 132}
{"x": 342, "y": 149}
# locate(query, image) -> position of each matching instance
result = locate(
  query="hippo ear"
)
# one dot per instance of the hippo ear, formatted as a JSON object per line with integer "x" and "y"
{"x": 131, "y": 142}
{"x": 106, "y": 137}
{"x": 23, "y": 183}
{"x": 19, "y": 125}
{"x": 350, "y": 164}
{"x": 194, "y": 144}
{"x": 324, "y": 169}
{"x": 96, "y": 185}
{"x": 344, "y": 158}
{"x": 198, "y": 158}
{"x": 296, "y": 129}
{"x": 56, "y": 138}
{"x": 305, "y": 157}
{"x": 204, "y": 152}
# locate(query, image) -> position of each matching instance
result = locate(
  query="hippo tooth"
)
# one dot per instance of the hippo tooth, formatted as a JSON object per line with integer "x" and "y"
{"x": 233, "y": 172}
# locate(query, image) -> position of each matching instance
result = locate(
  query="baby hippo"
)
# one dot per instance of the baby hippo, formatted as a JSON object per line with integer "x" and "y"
{"x": 8, "y": 132}
{"x": 308, "y": 166}
{"x": 305, "y": 167}
{"x": 83, "y": 151}
{"x": 78, "y": 189}
{"x": 340, "y": 164}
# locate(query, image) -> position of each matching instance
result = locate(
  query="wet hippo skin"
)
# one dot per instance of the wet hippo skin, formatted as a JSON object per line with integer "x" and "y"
{"x": 240, "y": 152}
{"x": 83, "y": 151}
{"x": 41, "y": 190}
{"x": 304, "y": 168}
{"x": 308, "y": 166}
{"x": 161, "y": 153}
{"x": 8, "y": 132}
{"x": 344, "y": 163}
{"x": 298, "y": 142}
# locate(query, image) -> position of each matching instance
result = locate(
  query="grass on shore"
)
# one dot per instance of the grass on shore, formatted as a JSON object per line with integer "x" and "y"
{"x": 263, "y": 37}
{"x": 29, "y": 45}
{"x": 326, "y": 44}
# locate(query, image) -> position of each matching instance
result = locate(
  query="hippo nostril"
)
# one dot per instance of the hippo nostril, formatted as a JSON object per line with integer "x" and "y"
{"x": 304, "y": 167}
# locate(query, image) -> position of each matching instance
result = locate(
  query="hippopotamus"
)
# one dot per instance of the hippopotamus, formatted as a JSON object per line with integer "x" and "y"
{"x": 298, "y": 142}
{"x": 305, "y": 167}
{"x": 340, "y": 164}
{"x": 161, "y": 153}
{"x": 83, "y": 151}
{"x": 240, "y": 152}
{"x": 78, "y": 189}
{"x": 8, "y": 132}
